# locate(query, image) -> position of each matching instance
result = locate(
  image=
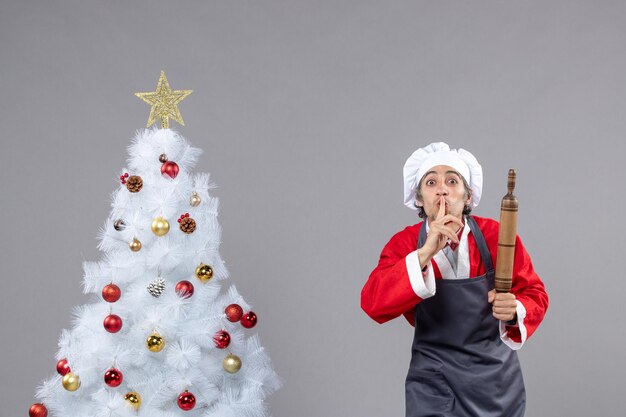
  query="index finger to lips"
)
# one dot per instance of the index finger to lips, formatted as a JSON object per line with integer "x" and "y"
{"x": 442, "y": 207}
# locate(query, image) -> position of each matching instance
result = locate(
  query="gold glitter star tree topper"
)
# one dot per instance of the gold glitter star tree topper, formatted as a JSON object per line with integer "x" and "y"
{"x": 164, "y": 102}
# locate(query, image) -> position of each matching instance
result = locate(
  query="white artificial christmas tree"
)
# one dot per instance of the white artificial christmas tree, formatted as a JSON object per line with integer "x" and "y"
{"x": 166, "y": 335}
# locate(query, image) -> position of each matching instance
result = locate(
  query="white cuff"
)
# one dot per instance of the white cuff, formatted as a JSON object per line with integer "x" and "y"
{"x": 423, "y": 283}
{"x": 521, "y": 314}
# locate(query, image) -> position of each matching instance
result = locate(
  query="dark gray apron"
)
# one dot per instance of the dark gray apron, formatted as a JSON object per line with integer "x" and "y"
{"x": 459, "y": 365}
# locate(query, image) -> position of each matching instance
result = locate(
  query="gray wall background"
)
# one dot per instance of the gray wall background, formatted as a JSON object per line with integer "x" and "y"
{"x": 306, "y": 112}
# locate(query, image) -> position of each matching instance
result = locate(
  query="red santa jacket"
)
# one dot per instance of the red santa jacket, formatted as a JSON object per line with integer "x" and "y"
{"x": 388, "y": 292}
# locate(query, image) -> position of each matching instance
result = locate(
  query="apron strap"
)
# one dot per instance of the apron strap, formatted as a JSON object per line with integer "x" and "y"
{"x": 480, "y": 242}
{"x": 482, "y": 247}
{"x": 421, "y": 239}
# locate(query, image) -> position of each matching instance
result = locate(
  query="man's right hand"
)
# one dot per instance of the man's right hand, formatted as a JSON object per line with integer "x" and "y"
{"x": 442, "y": 229}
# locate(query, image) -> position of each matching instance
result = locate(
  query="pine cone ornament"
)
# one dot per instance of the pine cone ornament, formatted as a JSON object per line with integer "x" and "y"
{"x": 187, "y": 224}
{"x": 156, "y": 287}
{"x": 134, "y": 183}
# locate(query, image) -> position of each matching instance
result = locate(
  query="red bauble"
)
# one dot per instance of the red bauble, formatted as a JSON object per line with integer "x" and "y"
{"x": 112, "y": 323}
{"x": 111, "y": 293}
{"x": 169, "y": 168}
{"x": 184, "y": 289}
{"x": 234, "y": 312}
{"x": 248, "y": 320}
{"x": 186, "y": 401}
{"x": 38, "y": 410}
{"x": 221, "y": 339}
{"x": 113, "y": 377}
{"x": 63, "y": 367}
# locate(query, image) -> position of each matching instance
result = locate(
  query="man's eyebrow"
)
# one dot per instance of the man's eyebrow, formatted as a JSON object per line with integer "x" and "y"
{"x": 447, "y": 172}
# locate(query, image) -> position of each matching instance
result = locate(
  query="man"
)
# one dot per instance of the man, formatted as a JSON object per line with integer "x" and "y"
{"x": 440, "y": 275}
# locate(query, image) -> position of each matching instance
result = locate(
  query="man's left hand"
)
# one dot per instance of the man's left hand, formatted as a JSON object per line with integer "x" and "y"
{"x": 504, "y": 305}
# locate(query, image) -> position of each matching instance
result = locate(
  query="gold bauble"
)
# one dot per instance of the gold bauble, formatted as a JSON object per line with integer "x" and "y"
{"x": 160, "y": 226}
{"x": 155, "y": 342}
{"x": 231, "y": 363}
{"x": 204, "y": 272}
{"x": 71, "y": 382}
{"x": 134, "y": 399}
{"x": 135, "y": 245}
{"x": 195, "y": 199}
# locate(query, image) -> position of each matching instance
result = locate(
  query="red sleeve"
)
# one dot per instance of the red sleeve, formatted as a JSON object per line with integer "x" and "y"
{"x": 527, "y": 286}
{"x": 388, "y": 292}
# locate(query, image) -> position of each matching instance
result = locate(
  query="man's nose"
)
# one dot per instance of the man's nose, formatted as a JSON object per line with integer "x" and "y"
{"x": 442, "y": 190}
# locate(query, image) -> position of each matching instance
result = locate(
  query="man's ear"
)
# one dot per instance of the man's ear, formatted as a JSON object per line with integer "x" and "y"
{"x": 418, "y": 203}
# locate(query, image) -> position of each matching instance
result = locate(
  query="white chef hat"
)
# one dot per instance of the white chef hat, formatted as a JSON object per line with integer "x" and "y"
{"x": 439, "y": 153}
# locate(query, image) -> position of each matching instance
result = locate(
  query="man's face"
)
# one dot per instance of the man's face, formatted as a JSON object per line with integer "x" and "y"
{"x": 443, "y": 181}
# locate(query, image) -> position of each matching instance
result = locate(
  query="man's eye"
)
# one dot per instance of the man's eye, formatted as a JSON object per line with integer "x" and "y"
{"x": 452, "y": 181}
{"x": 430, "y": 182}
